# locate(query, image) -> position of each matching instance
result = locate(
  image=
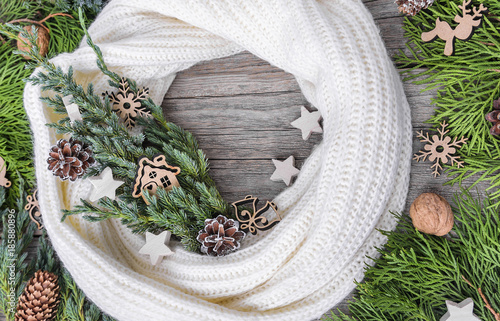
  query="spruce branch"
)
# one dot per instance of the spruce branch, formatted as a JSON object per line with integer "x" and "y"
{"x": 183, "y": 210}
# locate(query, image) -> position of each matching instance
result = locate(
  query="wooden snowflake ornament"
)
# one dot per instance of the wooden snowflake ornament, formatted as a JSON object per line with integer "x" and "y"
{"x": 128, "y": 104}
{"x": 440, "y": 149}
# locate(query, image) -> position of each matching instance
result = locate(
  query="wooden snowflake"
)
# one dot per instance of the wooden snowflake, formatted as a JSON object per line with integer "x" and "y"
{"x": 440, "y": 149}
{"x": 128, "y": 104}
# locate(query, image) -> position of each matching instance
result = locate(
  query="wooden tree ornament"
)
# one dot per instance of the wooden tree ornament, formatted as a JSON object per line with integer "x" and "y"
{"x": 463, "y": 31}
{"x": 3, "y": 172}
{"x": 251, "y": 222}
{"x": 154, "y": 174}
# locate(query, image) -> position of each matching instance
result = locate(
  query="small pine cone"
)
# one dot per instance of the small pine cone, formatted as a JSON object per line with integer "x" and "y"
{"x": 70, "y": 159}
{"x": 494, "y": 117}
{"x": 40, "y": 298}
{"x": 412, "y": 7}
{"x": 220, "y": 236}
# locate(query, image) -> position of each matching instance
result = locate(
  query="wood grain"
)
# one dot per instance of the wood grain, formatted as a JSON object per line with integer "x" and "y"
{"x": 240, "y": 109}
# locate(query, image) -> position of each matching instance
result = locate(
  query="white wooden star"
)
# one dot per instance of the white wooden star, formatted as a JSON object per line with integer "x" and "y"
{"x": 460, "y": 311}
{"x": 308, "y": 123}
{"x": 155, "y": 246}
{"x": 104, "y": 185}
{"x": 72, "y": 109}
{"x": 285, "y": 170}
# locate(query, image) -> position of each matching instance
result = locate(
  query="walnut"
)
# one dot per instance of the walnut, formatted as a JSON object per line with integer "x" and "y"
{"x": 431, "y": 214}
{"x": 42, "y": 41}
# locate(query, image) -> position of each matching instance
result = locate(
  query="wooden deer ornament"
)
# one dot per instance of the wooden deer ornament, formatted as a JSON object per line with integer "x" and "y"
{"x": 463, "y": 31}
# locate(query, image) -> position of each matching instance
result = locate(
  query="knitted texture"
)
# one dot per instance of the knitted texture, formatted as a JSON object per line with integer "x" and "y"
{"x": 346, "y": 188}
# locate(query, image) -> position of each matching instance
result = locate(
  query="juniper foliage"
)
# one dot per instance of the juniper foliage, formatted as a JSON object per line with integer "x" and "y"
{"x": 417, "y": 272}
{"x": 182, "y": 210}
{"x": 15, "y": 134}
{"x": 17, "y": 234}
{"x": 16, "y": 269}
{"x": 466, "y": 84}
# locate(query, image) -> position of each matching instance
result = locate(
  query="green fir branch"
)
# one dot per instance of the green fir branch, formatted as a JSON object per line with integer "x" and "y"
{"x": 65, "y": 36}
{"x": 466, "y": 83}
{"x": 16, "y": 270}
{"x": 73, "y": 305}
{"x": 183, "y": 210}
{"x": 17, "y": 234}
{"x": 416, "y": 272}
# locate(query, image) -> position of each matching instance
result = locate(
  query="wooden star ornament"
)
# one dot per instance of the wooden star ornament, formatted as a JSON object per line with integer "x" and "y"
{"x": 72, "y": 109}
{"x": 460, "y": 311}
{"x": 104, "y": 185}
{"x": 155, "y": 246}
{"x": 285, "y": 170}
{"x": 308, "y": 123}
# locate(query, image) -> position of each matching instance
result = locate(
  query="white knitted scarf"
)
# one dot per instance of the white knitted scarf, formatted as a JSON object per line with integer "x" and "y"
{"x": 346, "y": 188}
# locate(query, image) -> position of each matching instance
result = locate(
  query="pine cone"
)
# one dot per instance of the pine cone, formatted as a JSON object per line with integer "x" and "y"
{"x": 412, "y": 7}
{"x": 220, "y": 236}
{"x": 70, "y": 159}
{"x": 40, "y": 298}
{"x": 494, "y": 117}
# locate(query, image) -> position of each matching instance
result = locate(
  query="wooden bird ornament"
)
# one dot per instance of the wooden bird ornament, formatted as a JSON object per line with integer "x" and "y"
{"x": 463, "y": 31}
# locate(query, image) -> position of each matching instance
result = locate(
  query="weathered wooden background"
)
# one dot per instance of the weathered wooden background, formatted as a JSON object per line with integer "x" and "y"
{"x": 240, "y": 109}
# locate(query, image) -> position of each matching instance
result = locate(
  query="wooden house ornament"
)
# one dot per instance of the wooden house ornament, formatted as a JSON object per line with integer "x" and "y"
{"x": 154, "y": 174}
